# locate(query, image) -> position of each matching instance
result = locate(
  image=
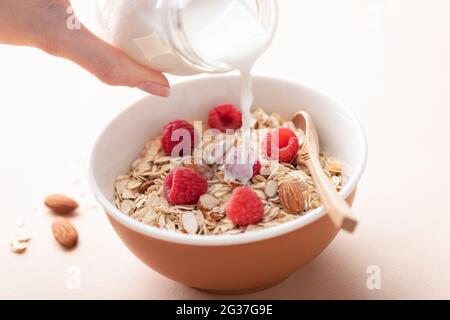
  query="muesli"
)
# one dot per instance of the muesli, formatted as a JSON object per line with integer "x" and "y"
{"x": 196, "y": 191}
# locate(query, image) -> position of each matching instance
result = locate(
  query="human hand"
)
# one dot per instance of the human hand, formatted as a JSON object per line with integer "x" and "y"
{"x": 43, "y": 24}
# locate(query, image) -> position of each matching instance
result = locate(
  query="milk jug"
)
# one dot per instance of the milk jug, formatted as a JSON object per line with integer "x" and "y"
{"x": 187, "y": 37}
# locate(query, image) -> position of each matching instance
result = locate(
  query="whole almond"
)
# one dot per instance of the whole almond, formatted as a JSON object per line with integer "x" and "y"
{"x": 64, "y": 232}
{"x": 291, "y": 197}
{"x": 60, "y": 204}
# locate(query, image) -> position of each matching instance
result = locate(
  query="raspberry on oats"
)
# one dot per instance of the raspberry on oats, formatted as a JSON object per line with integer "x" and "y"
{"x": 245, "y": 207}
{"x": 178, "y": 134}
{"x": 184, "y": 186}
{"x": 281, "y": 144}
{"x": 148, "y": 203}
{"x": 225, "y": 116}
{"x": 256, "y": 168}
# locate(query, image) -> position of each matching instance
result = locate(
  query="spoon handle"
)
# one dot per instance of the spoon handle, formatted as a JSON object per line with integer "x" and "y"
{"x": 338, "y": 209}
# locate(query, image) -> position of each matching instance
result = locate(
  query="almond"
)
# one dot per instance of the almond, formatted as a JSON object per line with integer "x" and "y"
{"x": 144, "y": 187}
{"x": 189, "y": 222}
{"x": 233, "y": 184}
{"x": 271, "y": 188}
{"x": 23, "y": 236}
{"x": 291, "y": 197}
{"x": 64, "y": 232}
{"x": 206, "y": 171}
{"x": 19, "y": 246}
{"x": 203, "y": 169}
{"x": 216, "y": 216}
{"x": 60, "y": 204}
{"x": 207, "y": 202}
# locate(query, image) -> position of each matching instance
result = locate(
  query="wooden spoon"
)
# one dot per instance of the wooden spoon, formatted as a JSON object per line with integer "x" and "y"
{"x": 337, "y": 208}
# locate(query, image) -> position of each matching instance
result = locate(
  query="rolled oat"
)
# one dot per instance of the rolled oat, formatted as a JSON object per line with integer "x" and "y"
{"x": 139, "y": 194}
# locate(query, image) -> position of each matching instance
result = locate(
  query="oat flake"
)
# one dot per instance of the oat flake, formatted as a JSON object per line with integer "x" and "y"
{"x": 140, "y": 195}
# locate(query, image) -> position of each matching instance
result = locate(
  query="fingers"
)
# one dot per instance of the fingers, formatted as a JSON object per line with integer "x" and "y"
{"x": 109, "y": 64}
{"x": 45, "y": 24}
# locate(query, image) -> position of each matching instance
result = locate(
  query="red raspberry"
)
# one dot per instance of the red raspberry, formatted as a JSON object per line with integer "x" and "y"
{"x": 256, "y": 168}
{"x": 184, "y": 186}
{"x": 245, "y": 207}
{"x": 225, "y": 116}
{"x": 284, "y": 148}
{"x": 178, "y": 130}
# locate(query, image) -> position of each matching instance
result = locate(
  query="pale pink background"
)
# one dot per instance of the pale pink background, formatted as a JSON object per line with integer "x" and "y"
{"x": 387, "y": 60}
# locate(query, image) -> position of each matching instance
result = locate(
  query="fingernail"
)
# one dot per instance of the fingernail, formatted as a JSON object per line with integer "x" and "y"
{"x": 155, "y": 88}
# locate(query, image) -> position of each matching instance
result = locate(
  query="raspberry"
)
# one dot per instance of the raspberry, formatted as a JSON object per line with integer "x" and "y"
{"x": 184, "y": 186}
{"x": 245, "y": 207}
{"x": 175, "y": 133}
{"x": 225, "y": 116}
{"x": 256, "y": 168}
{"x": 284, "y": 148}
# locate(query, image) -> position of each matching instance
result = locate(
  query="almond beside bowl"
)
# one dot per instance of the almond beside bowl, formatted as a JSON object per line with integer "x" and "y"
{"x": 226, "y": 263}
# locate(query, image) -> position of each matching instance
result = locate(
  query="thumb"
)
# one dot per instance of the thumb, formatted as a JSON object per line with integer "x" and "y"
{"x": 109, "y": 64}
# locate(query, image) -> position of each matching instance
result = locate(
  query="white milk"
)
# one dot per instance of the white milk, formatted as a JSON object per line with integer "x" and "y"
{"x": 222, "y": 33}
{"x": 227, "y": 31}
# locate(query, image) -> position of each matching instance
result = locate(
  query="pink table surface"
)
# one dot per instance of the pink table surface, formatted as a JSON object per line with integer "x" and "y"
{"x": 388, "y": 61}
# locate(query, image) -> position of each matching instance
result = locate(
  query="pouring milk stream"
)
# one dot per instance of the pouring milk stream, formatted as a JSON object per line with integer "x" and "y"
{"x": 220, "y": 32}
{"x": 227, "y": 31}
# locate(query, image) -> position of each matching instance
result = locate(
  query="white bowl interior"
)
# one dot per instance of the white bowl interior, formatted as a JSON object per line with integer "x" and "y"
{"x": 121, "y": 142}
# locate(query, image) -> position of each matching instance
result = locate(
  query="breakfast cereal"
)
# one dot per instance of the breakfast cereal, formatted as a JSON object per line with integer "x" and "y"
{"x": 285, "y": 190}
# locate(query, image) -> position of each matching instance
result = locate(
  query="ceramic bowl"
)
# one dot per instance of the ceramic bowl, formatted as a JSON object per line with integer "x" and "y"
{"x": 226, "y": 263}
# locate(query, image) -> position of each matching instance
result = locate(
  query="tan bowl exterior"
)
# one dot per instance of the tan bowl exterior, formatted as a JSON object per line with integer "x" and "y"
{"x": 234, "y": 268}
